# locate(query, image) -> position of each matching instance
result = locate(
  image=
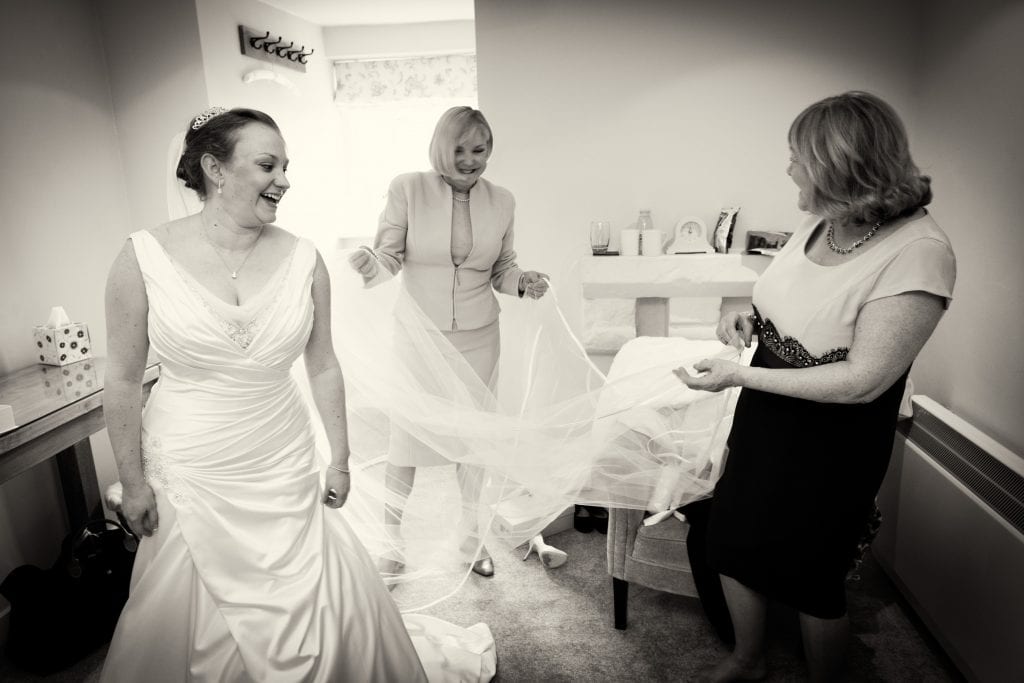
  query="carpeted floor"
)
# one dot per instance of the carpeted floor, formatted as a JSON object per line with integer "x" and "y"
{"x": 556, "y": 625}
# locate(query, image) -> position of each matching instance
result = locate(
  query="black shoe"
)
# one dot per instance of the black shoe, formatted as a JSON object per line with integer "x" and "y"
{"x": 600, "y": 519}
{"x": 582, "y": 521}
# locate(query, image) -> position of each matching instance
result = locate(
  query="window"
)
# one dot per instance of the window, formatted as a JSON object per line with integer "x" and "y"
{"x": 388, "y": 109}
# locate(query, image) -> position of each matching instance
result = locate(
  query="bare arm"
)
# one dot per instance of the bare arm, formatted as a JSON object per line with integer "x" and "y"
{"x": 127, "y": 308}
{"x": 889, "y": 334}
{"x": 327, "y": 383}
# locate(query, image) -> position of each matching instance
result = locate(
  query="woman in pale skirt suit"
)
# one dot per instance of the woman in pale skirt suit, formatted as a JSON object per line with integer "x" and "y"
{"x": 450, "y": 232}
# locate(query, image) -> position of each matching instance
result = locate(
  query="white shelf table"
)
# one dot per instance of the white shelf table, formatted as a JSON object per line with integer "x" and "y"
{"x": 653, "y": 280}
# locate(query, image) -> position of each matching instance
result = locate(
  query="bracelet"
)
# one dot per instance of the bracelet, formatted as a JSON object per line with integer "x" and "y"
{"x": 340, "y": 469}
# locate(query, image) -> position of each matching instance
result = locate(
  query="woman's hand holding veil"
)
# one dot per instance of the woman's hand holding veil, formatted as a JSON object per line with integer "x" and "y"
{"x": 534, "y": 284}
{"x": 364, "y": 262}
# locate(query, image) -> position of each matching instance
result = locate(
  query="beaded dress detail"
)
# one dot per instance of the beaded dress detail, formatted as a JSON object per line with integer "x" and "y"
{"x": 790, "y": 349}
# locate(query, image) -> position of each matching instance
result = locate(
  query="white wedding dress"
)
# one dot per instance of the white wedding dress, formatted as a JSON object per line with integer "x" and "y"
{"x": 249, "y": 577}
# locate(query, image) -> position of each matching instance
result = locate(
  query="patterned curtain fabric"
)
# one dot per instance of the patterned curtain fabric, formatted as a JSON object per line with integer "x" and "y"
{"x": 388, "y": 80}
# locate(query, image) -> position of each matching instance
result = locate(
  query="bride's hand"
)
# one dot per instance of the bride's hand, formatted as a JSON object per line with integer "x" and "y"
{"x": 338, "y": 484}
{"x": 138, "y": 506}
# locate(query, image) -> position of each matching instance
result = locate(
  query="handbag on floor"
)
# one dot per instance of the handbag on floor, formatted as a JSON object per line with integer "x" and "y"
{"x": 61, "y": 614}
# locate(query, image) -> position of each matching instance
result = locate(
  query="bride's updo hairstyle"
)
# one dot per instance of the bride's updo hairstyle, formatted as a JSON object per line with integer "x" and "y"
{"x": 854, "y": 149}
{"x": 452, "y": 127}
{"x": 215, "y": 132}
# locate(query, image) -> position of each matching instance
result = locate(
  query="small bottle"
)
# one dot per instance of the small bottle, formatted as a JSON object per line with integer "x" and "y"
{"x": 644, "y": 222}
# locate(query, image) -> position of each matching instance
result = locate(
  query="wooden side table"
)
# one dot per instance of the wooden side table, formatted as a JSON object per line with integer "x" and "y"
{"x": 56, "y": 410}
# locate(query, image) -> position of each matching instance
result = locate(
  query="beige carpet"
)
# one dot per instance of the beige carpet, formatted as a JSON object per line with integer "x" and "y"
{"x": 557, "y": 626}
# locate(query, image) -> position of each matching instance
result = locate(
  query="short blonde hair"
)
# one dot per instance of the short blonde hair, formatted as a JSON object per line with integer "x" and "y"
{"x": 857, "y": 157}
{"x": 453, "y": 126}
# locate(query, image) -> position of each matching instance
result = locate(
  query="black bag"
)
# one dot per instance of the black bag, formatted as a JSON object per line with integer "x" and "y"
{"x": 64, "y": 613}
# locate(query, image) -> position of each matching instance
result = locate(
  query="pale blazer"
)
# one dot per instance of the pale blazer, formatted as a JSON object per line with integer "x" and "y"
{"x": 415, "y": 234}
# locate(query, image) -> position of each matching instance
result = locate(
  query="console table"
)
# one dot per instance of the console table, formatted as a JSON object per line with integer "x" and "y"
{"x": 653, "y": 280}
{"x": 56, "y": 410}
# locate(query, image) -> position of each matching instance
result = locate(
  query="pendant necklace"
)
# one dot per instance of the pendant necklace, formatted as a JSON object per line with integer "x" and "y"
{"x": 233, "y": 271}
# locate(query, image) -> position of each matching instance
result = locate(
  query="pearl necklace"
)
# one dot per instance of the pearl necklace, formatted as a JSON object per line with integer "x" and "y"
{"x": 464, "y": 198}
{"x": 830, "y": 239}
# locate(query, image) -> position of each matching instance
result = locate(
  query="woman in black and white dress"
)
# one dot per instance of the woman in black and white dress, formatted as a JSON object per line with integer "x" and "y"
{"x": 841, "y": 313}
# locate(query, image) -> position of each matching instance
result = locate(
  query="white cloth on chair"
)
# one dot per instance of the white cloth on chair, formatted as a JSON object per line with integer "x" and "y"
{"x": 685, "y": 429}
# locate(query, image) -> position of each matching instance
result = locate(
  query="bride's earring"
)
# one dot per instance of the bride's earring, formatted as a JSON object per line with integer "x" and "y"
{"x": 220, "y": 186}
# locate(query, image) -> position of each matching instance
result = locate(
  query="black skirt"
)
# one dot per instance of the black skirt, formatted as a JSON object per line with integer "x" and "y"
{"x": 797, "y": 490}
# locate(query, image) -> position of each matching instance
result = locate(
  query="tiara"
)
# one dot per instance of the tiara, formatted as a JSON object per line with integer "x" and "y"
{"x": 210, "y": 113}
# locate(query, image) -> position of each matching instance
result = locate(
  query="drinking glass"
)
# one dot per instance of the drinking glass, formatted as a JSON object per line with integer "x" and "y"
{"x": 600, "y": 235}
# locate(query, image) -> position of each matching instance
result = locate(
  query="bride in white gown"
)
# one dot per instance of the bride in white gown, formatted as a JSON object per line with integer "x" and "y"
{"x": 245, "y": 572}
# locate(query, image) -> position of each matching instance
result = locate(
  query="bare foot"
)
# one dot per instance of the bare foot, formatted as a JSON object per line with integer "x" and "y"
{"x": 732, "y": 669}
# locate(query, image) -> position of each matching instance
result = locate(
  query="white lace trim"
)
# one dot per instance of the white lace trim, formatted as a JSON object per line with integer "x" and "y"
{"x": 155, "y": 470}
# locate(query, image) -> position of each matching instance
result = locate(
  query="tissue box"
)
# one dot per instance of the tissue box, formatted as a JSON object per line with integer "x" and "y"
{"x": 60, "y": 342}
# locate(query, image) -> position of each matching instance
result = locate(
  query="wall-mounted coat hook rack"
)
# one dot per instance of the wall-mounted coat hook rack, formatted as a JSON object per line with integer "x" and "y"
{"x": 268, "y": 46}
{"x": 259, "y": 45}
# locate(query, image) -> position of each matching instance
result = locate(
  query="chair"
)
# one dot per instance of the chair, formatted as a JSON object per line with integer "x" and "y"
{"x": 668, "y": 556}
{"x": 654, "y": 556}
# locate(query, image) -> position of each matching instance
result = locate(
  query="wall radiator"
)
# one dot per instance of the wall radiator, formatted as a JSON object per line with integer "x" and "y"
{"x": 952, "y": 539}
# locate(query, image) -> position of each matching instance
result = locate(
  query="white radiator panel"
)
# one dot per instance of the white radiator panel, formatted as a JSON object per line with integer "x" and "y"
{"x": 958, "y": 561}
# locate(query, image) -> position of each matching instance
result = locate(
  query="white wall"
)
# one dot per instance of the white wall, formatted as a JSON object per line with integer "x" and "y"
{"x": 65, "y": 197}
{"x": 970, "y": 138}
{"x": 398, "y": 40}
{"x": 682, "y": 107}
{"x": 65, "y": 215}
{"x": 155, "y": 69}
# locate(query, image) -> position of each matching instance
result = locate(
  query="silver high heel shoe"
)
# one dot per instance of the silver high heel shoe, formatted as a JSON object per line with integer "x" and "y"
{"x": 550, "y": 556}
{"x": 484, "y": 567}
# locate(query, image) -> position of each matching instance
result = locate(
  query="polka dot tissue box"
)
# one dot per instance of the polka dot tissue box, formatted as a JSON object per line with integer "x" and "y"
{"x": 60, "y": 341}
